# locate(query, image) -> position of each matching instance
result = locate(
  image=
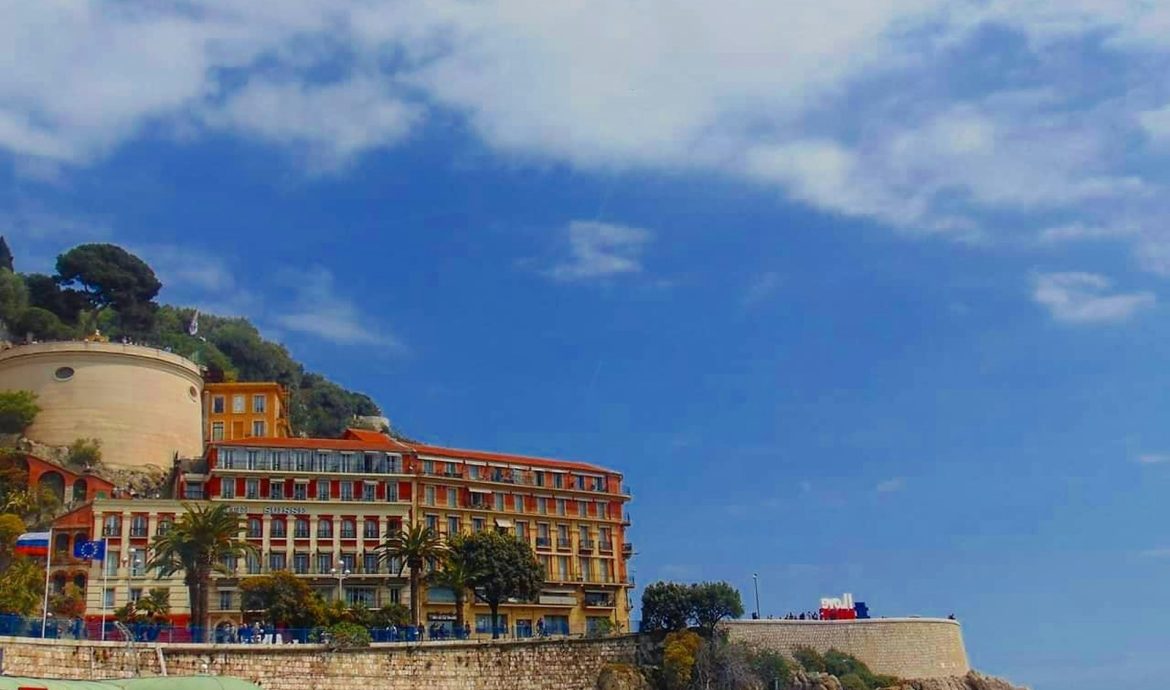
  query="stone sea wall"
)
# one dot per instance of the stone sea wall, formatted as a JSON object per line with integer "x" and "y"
{"x": 902, "y": 647}
{"x": 539, "y": 665}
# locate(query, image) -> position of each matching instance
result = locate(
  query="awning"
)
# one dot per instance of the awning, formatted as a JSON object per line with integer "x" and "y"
{"x": 480, "y": 491}
{"x": 504, "y": 522}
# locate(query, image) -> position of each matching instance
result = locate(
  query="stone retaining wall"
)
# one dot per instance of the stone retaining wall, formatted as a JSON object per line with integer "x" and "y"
{"x": 903, "y": 647}
{"x": 539, "y": 665}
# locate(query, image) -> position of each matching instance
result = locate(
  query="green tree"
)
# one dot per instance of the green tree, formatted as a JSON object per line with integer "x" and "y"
{"x": 13, "y": 299}
{"x": 18, "y": 409}
{"x": 810, "y": 659}
{"x": 42, "y": 324}
{"x": 679, "y": 653}
{"x": 84, "y": 453}
{"x": 771, "y": 667}
{"x": 6, "y": 255}
{"x": 196, "y": 545}
{"x": 156, "y": 605}
{"x": 284, "y": 598}
{"x": 666, "y": 606}
{"x": 504, "y": 567}
{"x": 69, "y": 603}
{"x": 711, "y": 602}
{"x": 45, "y": 293}
{"x": 22, "y": 587}
{"x": 391, "y": 615}
{"x": 457, "y": 572}
{"x": 110, "y": 276}
{"x": 11, "y": 527}
{"x": 413, "y": 546}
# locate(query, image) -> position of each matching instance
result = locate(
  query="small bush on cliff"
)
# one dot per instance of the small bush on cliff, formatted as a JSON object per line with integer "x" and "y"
{"x": 18, "y": 409}
{"x": 844, "y": 665}
{"x": 810, "y": 660}
{"x": 678, "y": 659}
{"x": 771, "y": 667}
{"x": 852, "y": 681}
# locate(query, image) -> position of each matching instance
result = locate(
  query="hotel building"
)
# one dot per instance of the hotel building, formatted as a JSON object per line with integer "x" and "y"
{"x": 320, "y": 507}
{"x": 234, "y": 411}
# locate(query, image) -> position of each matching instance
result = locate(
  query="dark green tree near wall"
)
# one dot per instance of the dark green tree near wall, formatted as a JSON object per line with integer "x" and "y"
{"x": 110, "y": 276}
{"x": 504, "y": 567}
{"x": 6, "y": 255}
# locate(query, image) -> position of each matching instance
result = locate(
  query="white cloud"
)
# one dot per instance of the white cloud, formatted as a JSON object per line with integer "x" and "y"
{"x": 1156, "y": 123}
{"x": 890, "y": 486}
{"x": 1084, "y": 298}
{"x": 601, "y": 250}
{"x": 1156, "y": 553}
{"x": 1153, "y": 458}
{"x": 318, "y": 310}
{"x": 760, "y": 289}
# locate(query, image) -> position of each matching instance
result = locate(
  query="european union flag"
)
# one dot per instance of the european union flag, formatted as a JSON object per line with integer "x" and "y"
{"x": 90, "y": 550}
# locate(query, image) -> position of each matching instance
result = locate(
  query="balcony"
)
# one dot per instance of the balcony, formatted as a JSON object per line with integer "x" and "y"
{"x": 627, "y": 549}
{"x": 599, "y": 600}
{"x": 543, "y": 543}
{"x": 626, "y": 519}
{"x": 564, "y": 545}
{"x": 605, "y": 546}
{"x": 586, "y": 546}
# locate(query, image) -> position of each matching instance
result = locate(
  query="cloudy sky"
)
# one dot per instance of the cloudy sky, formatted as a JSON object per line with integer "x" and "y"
{"x": 874, "y": 289}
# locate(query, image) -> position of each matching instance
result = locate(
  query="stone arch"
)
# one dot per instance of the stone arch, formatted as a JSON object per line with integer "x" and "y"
{"x": 59, "y": 580}
{"x": 80, "y": 490}
{"x": 61, "y": 544}
{"x": 53, "y": 481}
{"x": 80, "y": 580}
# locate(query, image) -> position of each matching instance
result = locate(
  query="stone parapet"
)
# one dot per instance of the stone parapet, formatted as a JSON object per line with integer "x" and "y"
{"x": 902, "y": 647}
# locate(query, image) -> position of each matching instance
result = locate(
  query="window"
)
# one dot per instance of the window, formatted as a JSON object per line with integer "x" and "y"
{"x": 230, "y": 563}
{"x": 518, "y": 503}
{"x": 108, "y": 598}
{"x": 324, "y": 562}
{"x": 348, "y": 562}
{"x": 558, "y": 480}
{"x": 278, "y": 529}
{"x": 300, "y": 563}
{"x": 138, "y": 526}
{"x": 603, "y": 538}
{"x": 370, "y": 528}
{"x": 451, "y": 496}
{"x": 395, "y": 595}
{"x": 217, "y": 406}
{"x": 370, "y": 563}
{"x": 392, "y": 491}
{"x": 499, "y": 501}
{"x": 217, "y": 431}
{"x": 483, "y": 623}
{"x": 560, "y": 505}
{"x": 137, "y": 563}
{"x": 301, "y": 491}
{"x": 522, "y": 530}
{"x": 582, "y": 509}
{"x": 477, "y": 524}
{"x": 252, "y": 488}
{"x": 562, "y": 568}
{"x": 325, "y": 529}
{"x": 587, "y": 569}
{"x": 164, "y": 525}
{"x": 346, "y": 491}
{"x": 276, "y": 490}
{"x": 429, "y": 494}
{"x": 539, "y": 477}
{"x": 252, "y": 563}
{"x": 348, "y": 529}
{"x": 258, "y": 403}
{"x": 322, "y": 489}
{"x": 276, "y": 561}
{"x": 301, "y": 528}
{"x": 369, "y": 491}
{"x": 110, "y": 565}
{"x": 193, "y": 491}
{"x": 433, "y": 522}
{"x": 563, "y": 537}
{"x": 112, "y": 526}
{"x": 542, "y": 538}
{"x": 360, "y": 596}
{"x": 258, "y": 428}
{"x": 227, "y": 488}
{"x": 542, "y": 505}
{"x": 135, "y": 594}
{"x": 452, "y": 525}
{"x": 255, "y": 528}
{"x": 238, "y": 404}
{"x": 225, "y": 601}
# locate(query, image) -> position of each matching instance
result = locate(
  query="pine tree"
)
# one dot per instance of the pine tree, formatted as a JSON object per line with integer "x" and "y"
{"x": 6, "y": 255}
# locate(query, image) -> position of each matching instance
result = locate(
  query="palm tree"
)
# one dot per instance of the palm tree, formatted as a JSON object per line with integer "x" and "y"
{"x": 457, "y": 572}
{"x": 413, "y": 546}
{"x": 196, "y": 545}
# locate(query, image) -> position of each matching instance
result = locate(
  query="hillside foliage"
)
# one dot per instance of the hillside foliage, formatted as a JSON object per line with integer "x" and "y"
{"x": 104, "y": 289}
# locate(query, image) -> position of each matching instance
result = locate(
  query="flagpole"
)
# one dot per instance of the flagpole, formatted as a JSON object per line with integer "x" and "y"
{"x": 105, "y": 570}
{"x": 48, "y": 565}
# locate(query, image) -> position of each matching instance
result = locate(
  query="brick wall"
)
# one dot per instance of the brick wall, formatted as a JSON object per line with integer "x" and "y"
{"x": 539, "y": 665}
{"x": 903, "y": 647}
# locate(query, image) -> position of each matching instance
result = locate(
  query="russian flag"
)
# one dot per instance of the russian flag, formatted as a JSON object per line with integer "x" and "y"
{"x": 33, "y": 544}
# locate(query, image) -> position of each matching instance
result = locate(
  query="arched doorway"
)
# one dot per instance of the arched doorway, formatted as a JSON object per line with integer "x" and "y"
{"x": 55, "y": 483}
{"x": 80, "y": 490}
{"x": 61, "y": 543}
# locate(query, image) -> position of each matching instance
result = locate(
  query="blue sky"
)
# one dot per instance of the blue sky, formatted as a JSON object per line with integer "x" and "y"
{"x": 861, "y": 296}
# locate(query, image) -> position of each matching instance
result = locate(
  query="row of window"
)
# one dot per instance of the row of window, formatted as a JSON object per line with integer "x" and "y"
{"x": 276, "y": 490}
{"x": 139, "y": 526}
{"x": 259, "y": 404}
{"x": 510, "y": 475}
{"x": 301, "y": 528}
{"x": 543, "y": 532}
{"x": 285, "y": 460}
{"x": 322, "y": 563}
{"x": 259, "y": 428}
{"x": 499, "y": 501}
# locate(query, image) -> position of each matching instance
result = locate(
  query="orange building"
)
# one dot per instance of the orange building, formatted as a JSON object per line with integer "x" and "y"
{"x": 236, "y": 411}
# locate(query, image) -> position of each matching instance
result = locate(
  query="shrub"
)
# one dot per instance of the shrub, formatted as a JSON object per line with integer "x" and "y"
{"x": 347, "y": 635}
{"x": 852, "y": 681}
{"x": 18, "y": 409}
{"x": 771, "y": 667}
{"x": 678, "y": 658}
{"x": 84, "y": 452}
{"x": 810, "y": 659}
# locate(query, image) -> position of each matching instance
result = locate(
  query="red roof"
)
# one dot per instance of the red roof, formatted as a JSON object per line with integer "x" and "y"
{"x": 459, "y": 453}
{"x": 353, "y": 439}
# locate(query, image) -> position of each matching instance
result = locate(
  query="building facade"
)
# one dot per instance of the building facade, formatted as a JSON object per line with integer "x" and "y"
{"x": 319, "y": 508}
{"x": 235, "y": 411}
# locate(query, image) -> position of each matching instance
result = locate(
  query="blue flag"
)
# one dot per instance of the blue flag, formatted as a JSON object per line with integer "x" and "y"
{"x": 90, "y": 550}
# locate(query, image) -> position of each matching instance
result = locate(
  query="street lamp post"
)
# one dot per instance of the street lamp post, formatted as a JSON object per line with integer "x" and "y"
{"x": 340, "y": 575}
{"x": 756, "y": 580}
